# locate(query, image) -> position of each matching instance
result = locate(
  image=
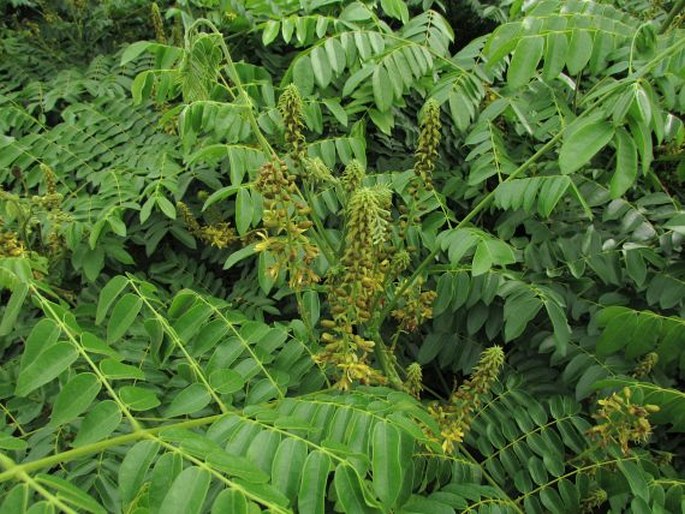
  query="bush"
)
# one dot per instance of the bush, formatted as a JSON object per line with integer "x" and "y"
{"x": 320, "y": 256}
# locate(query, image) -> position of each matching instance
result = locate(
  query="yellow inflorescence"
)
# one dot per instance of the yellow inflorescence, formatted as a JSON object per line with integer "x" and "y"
{"x": 362, "y": 276}
{"x": 621, "y": 421}
{"x": 646, "y": 365}
{"x": 429, "y": 139}
{"x": 157, "y": 23}
{"x": 417, "y": 308}
{"x": 455, "y": 418}
{"x": 290, "y": 107}
{"x": 10, "y": 245}
{"x": 353, "y": 176}
{"x": 594, "y": 500}
{"x": 217, "y": 234}
{"x": 286, "y": 219}
{"x": 414, "y": 381}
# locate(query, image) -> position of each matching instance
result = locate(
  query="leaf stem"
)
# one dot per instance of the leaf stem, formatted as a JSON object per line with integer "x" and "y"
{"x": 672, "y": 15}
{"x": 485, "y": 202}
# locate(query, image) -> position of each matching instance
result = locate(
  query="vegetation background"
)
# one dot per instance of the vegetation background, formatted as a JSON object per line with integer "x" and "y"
{"x": 342, "y": 256}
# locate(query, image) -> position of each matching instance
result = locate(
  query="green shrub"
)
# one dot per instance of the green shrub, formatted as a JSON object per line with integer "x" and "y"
{"x": 318, "y": 256}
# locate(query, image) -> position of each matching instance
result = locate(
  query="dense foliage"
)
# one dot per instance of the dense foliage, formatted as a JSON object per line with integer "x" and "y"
{"x": 352, "y": 256}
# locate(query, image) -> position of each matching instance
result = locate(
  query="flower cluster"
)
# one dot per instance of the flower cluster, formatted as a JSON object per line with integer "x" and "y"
{"x": 40, "y": 216}
{"x": 354, "y": 286}
{"x": 217, "y": 234}
{"x": 646, "y": 365}
{"x": 353, "y": 176}
{"x": 348, "y": 353}
{"x": 317, "y": 171}
{"x": 455, "y": 418}
{"x": 286, "y": 219}
{"x": 417, "y": 307}
{"x": 594, "y": 500}
{"x": 290, "y": 107}
{"x": 427, "y": 149}
{"x": 157, "y": 23}
{"x": 51, "y": 200}
{"x": 10, "y": 245}
{"x": 621, "y": 421}
{"x": 363, "y": 264}
{"x": 414, "y": 381}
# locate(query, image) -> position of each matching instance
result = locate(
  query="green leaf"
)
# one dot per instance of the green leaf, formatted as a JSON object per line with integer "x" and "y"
{"x": 553, "y": 190}
{"x": 586, "y": 383}
{"x": 287, "y": 466}
{"x": 74, "y": 398}
{"x": 349, "y": 490}
{"x": 187, "y": 493}
{"x": 382, "y": 92}
{"x": 100, "y": 422}
{"x": 191, "y": 399}
{"x": 70, "y": 493}
{"x": 336, "y": 110}
{"x": 230, "y": 500}
{"x": 618, "y": 331}
{"x": 240, "y": 255}
{"x": 636, "y": 478}
{"x": 237, "y": 466}
{"x": 123, "y": 315}
{"x": 166, "y": 206}
{"x": 134, "y": 50}
{"x": 13, "y": 308}
{"x": 243, "y": 211}
{"x": 138, "y": 398}
{"x": 45, "y": 367}
{"x": 525, "y": 60}
{"x": 320, "y": 67}
{"x": 16, "y": 500}
{"x": 482, "y": 259}
{"x": 490, "y": 252}
{"x": 551, "y": 499}
{"x": 579, "y": 51}
{"x": 387, "y": 466}
{"x": 519, "y": 309}
{"x": 270, "y": 31}
{"x": 626, "y": 164}
{"x": 642, "y": 137}
{"x": 226, "y": 381}
{"x": 562, "y": 330}
{"x": 555, "y": 55}
{"x": 396, "y": 9}
{"x": 43, "y": 335}
{"x": 8, "y": 442}
{"x": 115, "y": 370}
{"x": 585, "y": 138}
{"x": 312, "y": 495}
{"x": 134, "y": 468}
{"x": 303, "y": 76}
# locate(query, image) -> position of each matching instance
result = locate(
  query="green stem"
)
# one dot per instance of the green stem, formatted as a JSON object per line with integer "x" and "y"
{"x": 94, "y": 448}
{"x": 381, "y": 353}
{"x": 9, "y": 464}
{"x": 672, "y": 15}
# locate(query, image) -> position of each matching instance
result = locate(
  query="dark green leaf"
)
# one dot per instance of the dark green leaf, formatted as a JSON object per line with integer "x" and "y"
{"x": 123, "y": 315}
{"x": 188, "y": 492}
{"x": 583, "y": 140}
{"x": 74, "y": 398}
